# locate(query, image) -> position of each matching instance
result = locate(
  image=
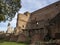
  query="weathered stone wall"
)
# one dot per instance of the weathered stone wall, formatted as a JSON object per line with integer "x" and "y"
{"x": 55, "y": 25}
{"x": 29, "y": 21}
{"x": 38, "y": 19}
{"x": 48, "y": 12}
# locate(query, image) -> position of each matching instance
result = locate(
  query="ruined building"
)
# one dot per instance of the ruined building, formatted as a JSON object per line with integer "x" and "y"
{"x": 9, "y": 29}
{"x": 40, "y": 24}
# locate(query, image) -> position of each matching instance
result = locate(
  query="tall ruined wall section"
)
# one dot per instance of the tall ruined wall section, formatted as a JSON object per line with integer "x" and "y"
{"x": 37, "y": 19}
{"x": 22, "y": 20}
{"x": 42, "y": 16}
{"x": 48, "y": 12}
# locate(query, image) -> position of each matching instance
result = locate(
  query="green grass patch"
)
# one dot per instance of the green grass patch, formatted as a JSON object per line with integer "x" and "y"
{"x": 12, "y": 43}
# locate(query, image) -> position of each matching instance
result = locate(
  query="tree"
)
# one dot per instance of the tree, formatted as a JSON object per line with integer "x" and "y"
{"x": 8, "y": 9}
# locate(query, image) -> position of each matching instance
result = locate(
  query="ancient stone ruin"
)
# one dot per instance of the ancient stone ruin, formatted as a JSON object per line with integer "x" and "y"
{"x": 40, "y": 25}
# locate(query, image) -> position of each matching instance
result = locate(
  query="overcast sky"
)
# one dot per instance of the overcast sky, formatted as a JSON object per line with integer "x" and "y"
{"x": 27, "y": 5}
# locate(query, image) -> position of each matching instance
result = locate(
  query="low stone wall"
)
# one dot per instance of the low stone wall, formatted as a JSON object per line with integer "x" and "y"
{"x": 13, "y": 37}
{"x": 2, "y": 36}
{"x": 22, "y": 38}
{"x": 45, "y": 43}
{"x": 36, "y": 37}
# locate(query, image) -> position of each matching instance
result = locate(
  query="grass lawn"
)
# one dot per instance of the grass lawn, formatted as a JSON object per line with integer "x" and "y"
{"x": 11, "y": 43}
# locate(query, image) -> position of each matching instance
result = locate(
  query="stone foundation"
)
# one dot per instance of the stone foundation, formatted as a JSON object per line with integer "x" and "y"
{"x": 22, "y": 38}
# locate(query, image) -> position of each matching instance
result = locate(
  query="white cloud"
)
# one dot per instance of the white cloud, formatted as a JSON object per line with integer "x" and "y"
{"x": 3, "y": 29}
{"x": 3, "y": 26}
